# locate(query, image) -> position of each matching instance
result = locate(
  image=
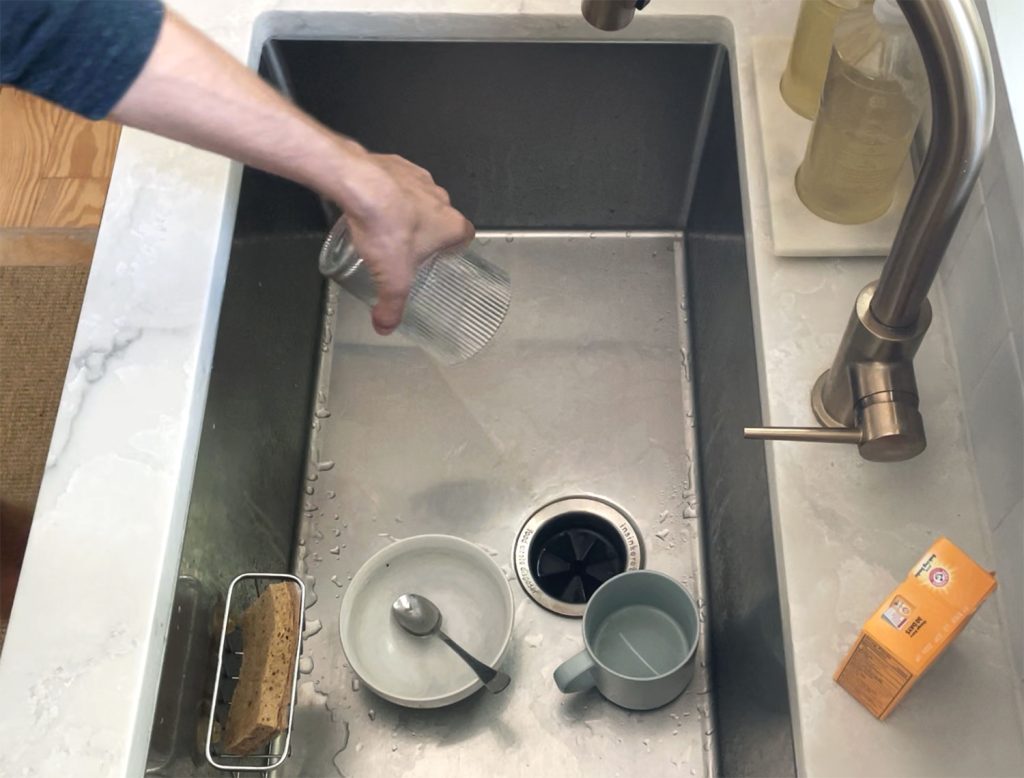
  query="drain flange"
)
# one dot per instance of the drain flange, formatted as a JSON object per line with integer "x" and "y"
{"x": 571, "y": 546}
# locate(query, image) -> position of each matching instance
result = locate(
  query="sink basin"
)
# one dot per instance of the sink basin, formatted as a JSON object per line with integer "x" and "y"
{"x": 604, "y": 178}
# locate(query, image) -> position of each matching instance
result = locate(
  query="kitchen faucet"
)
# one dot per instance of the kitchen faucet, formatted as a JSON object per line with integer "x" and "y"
{"x": 869, "y": 394}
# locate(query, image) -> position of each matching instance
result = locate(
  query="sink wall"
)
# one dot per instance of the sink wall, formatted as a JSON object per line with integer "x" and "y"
{"x": 541, "y": 118}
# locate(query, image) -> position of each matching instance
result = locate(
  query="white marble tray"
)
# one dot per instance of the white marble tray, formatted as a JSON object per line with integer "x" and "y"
{"x": 796, "y": 231}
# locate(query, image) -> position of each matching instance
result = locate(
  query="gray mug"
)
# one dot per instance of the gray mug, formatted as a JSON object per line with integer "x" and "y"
{"x": 640, "y": 634}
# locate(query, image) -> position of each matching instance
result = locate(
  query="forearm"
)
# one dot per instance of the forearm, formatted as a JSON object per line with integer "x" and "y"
{"x": 193, "y": 91}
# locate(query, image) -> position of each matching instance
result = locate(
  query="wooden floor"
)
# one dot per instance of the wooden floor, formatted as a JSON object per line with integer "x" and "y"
{"x": 54, "y": 171}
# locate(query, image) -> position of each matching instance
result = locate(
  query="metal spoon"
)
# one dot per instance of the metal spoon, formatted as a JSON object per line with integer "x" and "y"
{"x": 419, "y": 616}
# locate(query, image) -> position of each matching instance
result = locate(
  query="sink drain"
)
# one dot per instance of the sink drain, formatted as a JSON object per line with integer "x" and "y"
{"x": 568, "y": 548}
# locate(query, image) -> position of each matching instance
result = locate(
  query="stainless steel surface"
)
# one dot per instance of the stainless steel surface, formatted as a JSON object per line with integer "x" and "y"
{"x": 871, "y": 384}
{"x": 611, "y": 15}
{"x": 586, "y": 391}
{"x": 249, "y": 468}
{"x": 419, "y": 616}
{"x": 574, "y": 154}
{"x": 180, "y": 695}
{"x": 615, "y": 518}
{"x": 580, "y": 393}
{"x": 279, "y": 748}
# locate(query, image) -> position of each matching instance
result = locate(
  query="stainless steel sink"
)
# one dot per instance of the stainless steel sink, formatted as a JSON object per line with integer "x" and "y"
{"x": 604, "y": 178}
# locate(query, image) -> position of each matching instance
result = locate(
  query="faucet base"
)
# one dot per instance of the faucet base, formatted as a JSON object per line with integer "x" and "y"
{"x": 825, "y": 419}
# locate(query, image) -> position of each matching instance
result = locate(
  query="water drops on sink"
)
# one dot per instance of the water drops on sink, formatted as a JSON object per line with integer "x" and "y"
{"x": 313, "y": 627}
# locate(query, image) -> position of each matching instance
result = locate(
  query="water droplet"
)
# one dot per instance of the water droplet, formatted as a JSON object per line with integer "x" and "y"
{"x": 322, "y": 413}
{"x": 371, "y": 714}
{"x": 509, "y": 239}
{"x": 305, "y": 665}
{"x": 336, "y": 582}
{"x": 331, "y": 494}
{"x": 308, "y": 490}
{"x": 355, "y": 687}
{"x": 325, "y": 465}
{"x": 335, "y": 550}
{"x": 312, "y": 628}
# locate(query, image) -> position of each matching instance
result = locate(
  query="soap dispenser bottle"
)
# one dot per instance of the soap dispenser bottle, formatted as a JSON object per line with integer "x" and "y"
{"x": 875, "y": 91}
{"x": 809, "y": 53}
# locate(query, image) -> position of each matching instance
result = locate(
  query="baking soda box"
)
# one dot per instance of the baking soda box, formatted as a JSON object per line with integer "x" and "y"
{"x": 913, "y": 626}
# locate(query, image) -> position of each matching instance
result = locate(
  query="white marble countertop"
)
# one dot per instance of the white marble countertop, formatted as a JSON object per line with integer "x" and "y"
{"x": 79, "y": 671}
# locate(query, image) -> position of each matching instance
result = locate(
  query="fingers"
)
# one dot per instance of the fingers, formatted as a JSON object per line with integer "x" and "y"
{"x": 391, "y": 297}
{"x": 395, "y": 232}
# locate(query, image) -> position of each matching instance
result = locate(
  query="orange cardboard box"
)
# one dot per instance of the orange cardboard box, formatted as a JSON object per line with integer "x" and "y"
{"x": 913, "y": 626}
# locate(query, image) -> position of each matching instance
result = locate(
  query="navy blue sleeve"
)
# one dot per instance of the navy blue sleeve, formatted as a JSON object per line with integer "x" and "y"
{"x": 81, "y": 54}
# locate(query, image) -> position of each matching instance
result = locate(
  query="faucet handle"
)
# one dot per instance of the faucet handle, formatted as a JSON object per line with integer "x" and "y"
{"x": 890, "y": 430}
{"x": 805, "y": 434}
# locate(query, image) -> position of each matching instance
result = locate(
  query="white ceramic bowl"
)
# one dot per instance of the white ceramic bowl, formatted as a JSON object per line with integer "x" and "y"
{"x": 477, "y": 607}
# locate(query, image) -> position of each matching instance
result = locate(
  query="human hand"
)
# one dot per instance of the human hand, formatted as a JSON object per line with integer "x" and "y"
{"x": 398, "y": 218}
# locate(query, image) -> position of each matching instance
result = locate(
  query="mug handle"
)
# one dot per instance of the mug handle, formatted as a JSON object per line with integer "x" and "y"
{"x": 575, "y": 674}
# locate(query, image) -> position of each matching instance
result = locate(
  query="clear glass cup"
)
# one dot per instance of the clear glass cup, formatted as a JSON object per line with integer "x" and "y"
{"x": 456, "y": 304}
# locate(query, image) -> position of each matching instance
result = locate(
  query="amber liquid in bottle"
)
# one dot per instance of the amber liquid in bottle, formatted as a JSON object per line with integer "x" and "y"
{"x": 860, "y": 141}
{"x": 808, "y": 58}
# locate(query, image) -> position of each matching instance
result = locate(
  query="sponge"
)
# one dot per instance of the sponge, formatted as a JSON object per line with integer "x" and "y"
{"x": 270, "y": 637}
